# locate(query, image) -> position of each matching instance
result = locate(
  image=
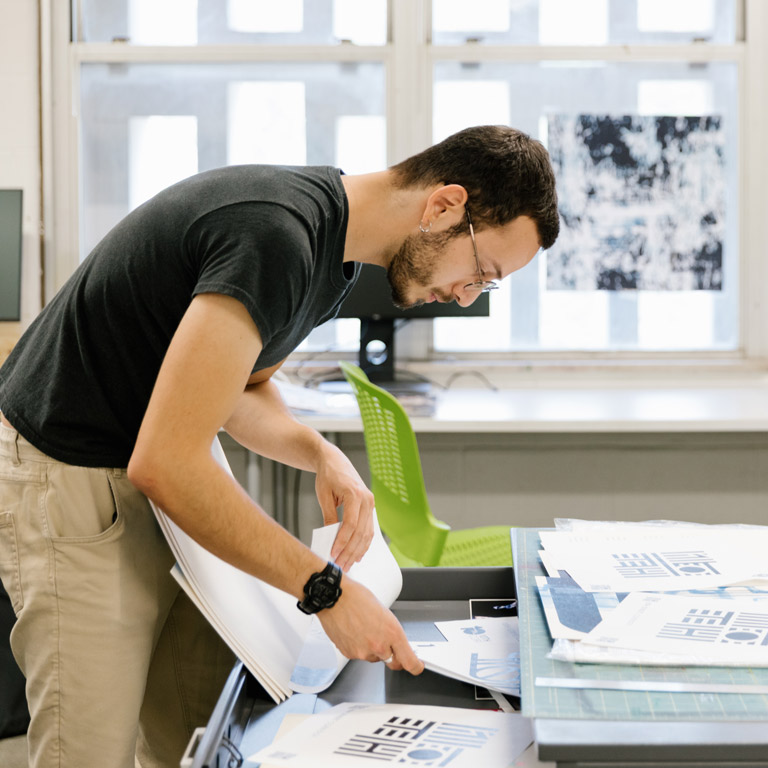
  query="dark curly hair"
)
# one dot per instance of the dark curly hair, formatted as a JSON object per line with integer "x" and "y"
{"x": 506, "y": 174}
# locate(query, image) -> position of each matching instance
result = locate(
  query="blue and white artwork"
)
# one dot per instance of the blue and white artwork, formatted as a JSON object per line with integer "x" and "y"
{"x": 416, "y": 741}
{"x": 712, "y": 625}
{"x": 685, "y": 628}
{"x": 355, "y": 734}
{"x": 642, "y": 202}
{"x": 632, "y": 565}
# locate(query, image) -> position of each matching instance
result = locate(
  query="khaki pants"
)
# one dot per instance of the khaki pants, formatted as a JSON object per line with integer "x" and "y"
{"x": 120, "y": 666}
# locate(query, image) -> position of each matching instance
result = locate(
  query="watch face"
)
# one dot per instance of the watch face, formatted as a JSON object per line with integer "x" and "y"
{"x": 323, "y": 592}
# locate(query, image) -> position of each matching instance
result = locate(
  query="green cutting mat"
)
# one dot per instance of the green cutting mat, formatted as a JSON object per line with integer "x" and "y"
{"x": 537, "y": 701}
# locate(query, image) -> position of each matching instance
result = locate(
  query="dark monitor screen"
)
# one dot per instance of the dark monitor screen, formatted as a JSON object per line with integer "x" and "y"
{"x": 10, "y": 254}
{"x": 371, "y": 301}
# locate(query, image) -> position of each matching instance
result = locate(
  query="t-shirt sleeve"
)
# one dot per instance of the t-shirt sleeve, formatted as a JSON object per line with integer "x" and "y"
{"x": 257, "y": 253}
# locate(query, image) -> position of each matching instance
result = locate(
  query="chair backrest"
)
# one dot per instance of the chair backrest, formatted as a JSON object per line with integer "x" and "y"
{"x": 397, "y": 481}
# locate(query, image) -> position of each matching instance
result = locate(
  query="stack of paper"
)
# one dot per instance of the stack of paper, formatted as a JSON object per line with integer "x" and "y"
{"x": 363, "y": 734}
{"x": 657, "y": 593}
{"x": 482, "y": 651}
{"x": 306, "y": 400}
{"x": 285, "y": 649}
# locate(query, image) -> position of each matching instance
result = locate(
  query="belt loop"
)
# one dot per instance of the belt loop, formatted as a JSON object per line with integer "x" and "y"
{"x": 15, "y": 460}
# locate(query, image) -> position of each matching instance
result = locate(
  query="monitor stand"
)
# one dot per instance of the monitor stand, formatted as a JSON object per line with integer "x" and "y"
{"x": 377, "y": 359}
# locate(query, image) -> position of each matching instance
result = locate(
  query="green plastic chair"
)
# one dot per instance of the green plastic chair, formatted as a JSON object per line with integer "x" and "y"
{"x": 416, "y": 537}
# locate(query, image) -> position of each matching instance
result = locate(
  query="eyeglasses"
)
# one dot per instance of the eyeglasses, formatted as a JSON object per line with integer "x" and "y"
{"x": 483, "y": 286}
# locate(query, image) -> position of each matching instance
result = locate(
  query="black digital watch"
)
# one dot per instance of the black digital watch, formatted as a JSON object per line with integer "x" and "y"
{"x": 322, "y": 590}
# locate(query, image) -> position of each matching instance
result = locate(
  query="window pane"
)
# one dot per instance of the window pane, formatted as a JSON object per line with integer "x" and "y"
{"x": 267, "y": 123}
{"x": 265, "y": 16}
{"x": 646, "y": 159}
{"x": 361, "y": 143}
{"x": 216, "y": 22}
{"x": 161, "y": 150}
{"x": 583, "y": 22}
{"x": 141, "y": 120}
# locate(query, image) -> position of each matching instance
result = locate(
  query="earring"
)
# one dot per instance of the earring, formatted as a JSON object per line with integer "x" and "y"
{"x": 426, "y": 230}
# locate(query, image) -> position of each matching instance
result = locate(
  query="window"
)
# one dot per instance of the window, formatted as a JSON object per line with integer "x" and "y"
{"x": 646, "y": 153}
{"x": 646, "y": 159}
{"x": 640, "y": 102}
{"x": 232, "y": 22}
{"x": 146, "y": 125}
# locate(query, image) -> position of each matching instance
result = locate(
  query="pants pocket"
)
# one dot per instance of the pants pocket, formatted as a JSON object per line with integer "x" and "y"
{"x": 80, "y": 506}
{"x": 10, "y": 573}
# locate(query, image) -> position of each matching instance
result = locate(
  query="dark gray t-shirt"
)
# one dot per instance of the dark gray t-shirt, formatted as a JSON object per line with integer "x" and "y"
{"x": 78, "y": 382}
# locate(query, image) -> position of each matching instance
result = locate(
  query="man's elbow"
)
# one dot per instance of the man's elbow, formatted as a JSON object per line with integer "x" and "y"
{"x": 145, "y": 473}
{"x": 161, "y": 472}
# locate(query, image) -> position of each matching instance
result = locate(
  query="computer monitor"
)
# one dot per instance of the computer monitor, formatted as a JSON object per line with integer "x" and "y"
{"x": 371, "y": 301}
{"x": 10, "y": 254}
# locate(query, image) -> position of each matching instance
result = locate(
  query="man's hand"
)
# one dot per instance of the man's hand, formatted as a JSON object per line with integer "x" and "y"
{"x": 362, "y": 628}
{"x": 338, "y": 484}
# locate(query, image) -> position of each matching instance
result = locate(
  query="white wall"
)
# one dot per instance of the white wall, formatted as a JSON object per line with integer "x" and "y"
{"x": 527, "y": 480}
{"x": 19, "y": 158}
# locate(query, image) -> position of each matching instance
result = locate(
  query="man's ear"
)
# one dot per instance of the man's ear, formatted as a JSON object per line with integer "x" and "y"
{"x": 445, "y": 206}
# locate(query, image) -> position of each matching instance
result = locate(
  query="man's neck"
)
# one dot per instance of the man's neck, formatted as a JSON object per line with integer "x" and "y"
{"x": 381, "y": 216}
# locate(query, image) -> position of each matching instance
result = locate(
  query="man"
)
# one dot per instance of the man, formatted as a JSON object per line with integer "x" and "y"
{"x": 169, "y": 331}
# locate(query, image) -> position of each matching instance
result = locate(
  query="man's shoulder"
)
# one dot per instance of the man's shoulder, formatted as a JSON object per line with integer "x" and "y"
{"x": 296, "y": 188}
{"x": 278, "y": 175}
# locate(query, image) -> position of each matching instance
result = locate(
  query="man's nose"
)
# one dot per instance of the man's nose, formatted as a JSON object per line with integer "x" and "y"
{"x": 465, "y": 298}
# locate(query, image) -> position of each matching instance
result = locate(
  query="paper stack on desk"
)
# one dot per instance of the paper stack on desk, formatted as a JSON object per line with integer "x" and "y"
{"x": 285, "y": 649}
{"x": 657, "y": 594}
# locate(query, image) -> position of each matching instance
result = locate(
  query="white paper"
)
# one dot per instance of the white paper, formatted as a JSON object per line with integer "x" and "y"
{"x": 315, "y": 401}
{"x": 641, "y": 527}
{"x": 319, "y": 661}
{"x": 493, "y": 668}
{"x": 666, "y": 562}
{"x": 547, "y": 562}
{"x": 352, "y": 735}
{"x": 482, "y": 630}
{"x": 481, "y": 651}
{"x": 260, "y": 623}
{"x": 654, "y": 527}
{"x": 576, "y": 651}
{"x": 694, "y": 629}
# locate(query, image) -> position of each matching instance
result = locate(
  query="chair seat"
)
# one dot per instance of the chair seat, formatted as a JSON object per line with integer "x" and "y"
{"x": 487, "y": 546}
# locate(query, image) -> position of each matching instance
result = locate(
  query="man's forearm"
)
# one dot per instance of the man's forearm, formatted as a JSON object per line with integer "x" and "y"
{"x": 263, "y": 423}
{"x": 208, "y": 504}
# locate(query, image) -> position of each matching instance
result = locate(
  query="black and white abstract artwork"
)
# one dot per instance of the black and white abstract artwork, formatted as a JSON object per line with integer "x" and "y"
{"x": 642, "y": 202}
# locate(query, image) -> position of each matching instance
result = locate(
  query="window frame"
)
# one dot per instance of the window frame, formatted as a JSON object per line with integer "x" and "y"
{"x": 409, "y": 59}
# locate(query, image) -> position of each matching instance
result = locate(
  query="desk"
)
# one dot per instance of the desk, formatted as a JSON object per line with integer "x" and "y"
{"x": 738, "y": 408}
{"x": 244, "y": 720}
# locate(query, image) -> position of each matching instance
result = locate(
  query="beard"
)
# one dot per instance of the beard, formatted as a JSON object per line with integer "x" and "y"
{"x": 414, "y": 264}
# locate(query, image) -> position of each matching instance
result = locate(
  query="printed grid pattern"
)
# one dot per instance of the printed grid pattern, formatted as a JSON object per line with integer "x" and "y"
{"x": 408, "y": 741}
